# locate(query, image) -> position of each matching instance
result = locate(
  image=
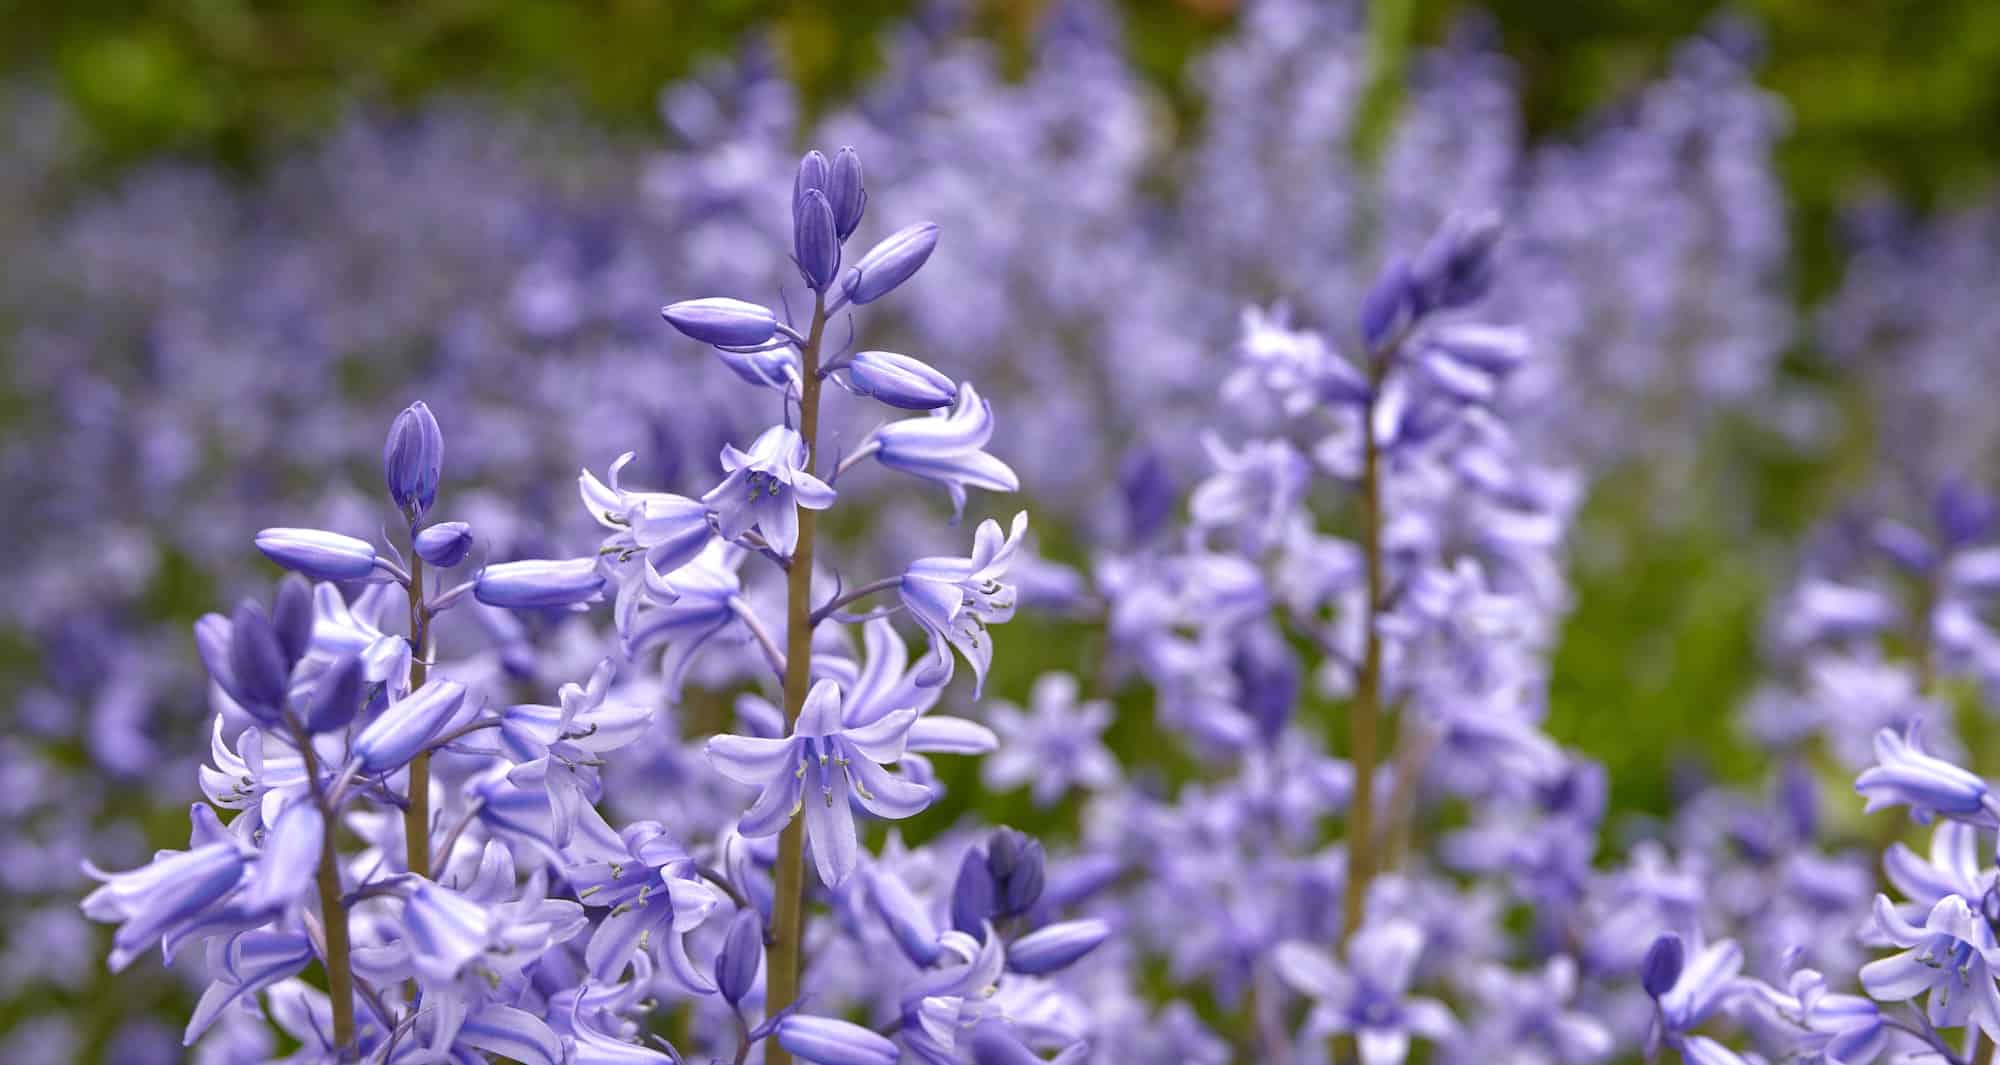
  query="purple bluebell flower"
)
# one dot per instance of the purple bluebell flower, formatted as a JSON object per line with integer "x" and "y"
{"x": 899, "y": 381}
{"x": 765, "y": 488}
{"x": 948, "y": 448}
{"x": 406, "y": 726}
{"x": 815, "y": 245}
{"x": 1054, "y": 746}
{"x": 825, "y": 1041}
{"x": 336, "y": 694}
{"x": 1057, "y": 946}
{"x": 249, "y": 962}
{"x": 908, "y": 920}
{"x": 320, "y": 555}
{"x": 533, "y": 584}
{"x": 1456, "y": 267}
{"x": 1903, "y": 775}
{"x": 1389, "y": 305}
{"x": 815, "y": 770}
{"x": 259, "y": 673}
{"x": 1662, "y": 967}
{"x": 1018, "y": 866}
{"x": 413, "y": 460}
{"x": 890, "y": 263}
{"x": 656, "y": 898}
{"x": 954, "y": 599}
{"x": 1951, "y": 956}
{"x": 1369, "y": 997}
{"x": 723, "y": 322}
{"x": 846, "y": 192}
{"x": 1707, "y": 980}
{"x": 741, "y": 957}
{"x": 445, "y": 544}
{"x": 283, "y": 873}
{"x": 175, "y": 889}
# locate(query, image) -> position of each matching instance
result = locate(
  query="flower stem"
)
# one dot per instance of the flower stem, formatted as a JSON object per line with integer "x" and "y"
{"x": 417, "y": 815}
{"x": 1364, "y": 718}
{"x": 787, "y": 908}
{"x": 333, "y": 910}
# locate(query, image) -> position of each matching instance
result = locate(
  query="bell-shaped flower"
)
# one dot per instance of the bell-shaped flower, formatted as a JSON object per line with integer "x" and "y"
{"x": 283, "y": 874}
{"x": 539, "y": 584}
{"x": 816, "y": 769}
{"x": 846, "y": 192}
{"x": 706, "y": 596}
{"x": 1369, "y": 997}
{"x": 899, "y": 381}
{"x": 826, "y": 1041}
{"x": 242, "y": 965}
{"x": 1951, "y": 956}
{"x": 954, "y": 599}
{"x": 1904, "y": 775}
{"x": 321, "y": 555}
{"x": 656, "y": 897}
{"x": 1056, "y": 946}
{"x": 948, "y": 448}
{"x": 723, "y": 322}
{"x": 884, "y": 682}
{"x": 765, "y": 487}
{"x": 176, "y": 888}
{"x": 443, "y": 545}
{"x": 888, "y": 264}
{"x": 407, "y": 726}
{"x": 1052, "y": 747}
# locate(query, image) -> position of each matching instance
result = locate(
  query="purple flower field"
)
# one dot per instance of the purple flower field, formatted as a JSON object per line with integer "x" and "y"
{"x": 1001, "y": 571}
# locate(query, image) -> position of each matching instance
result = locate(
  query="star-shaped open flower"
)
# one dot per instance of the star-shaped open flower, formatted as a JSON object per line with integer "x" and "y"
{"x": 765, "y": 487}
{"x": 816, "y": 769}
{"x": 954, "y": 599}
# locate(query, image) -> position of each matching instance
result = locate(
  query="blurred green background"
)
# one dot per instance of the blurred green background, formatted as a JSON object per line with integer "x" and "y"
{"x": 1885, "y": 95}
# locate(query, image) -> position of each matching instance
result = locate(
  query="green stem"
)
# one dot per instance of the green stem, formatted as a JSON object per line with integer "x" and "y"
{"x": 417, "y": 815}
{"x": 787, "y": 909}
{"x": 1364, "y": 718}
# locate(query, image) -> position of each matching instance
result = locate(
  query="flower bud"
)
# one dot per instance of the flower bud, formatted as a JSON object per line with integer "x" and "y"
{"x": 1456, "y": 267}
{"x": 536, "y": 582}
{"x": 813, "y": 241}
{"x": 845, "y": 192}
{"x": 257, "y": 661}
{"x": 1661, "y": 969}
{"x": 972, "y": 895}
{"x": 444, "y": 544}
{"x": 401, "y": 732}
{"x": 1388, "y": 306}
{"x": 812, "y": 177}
{"x": 292, "y": 617}
{"x": 1046, "y": 950}
{"x": 1015, "y": 862}
{"x": 320, "y": 555}
{"x": 336, "y": 695}
{"x": 900, "y": 381}
{"x": 722, "y": 322}
{"x": 825, "y": 1041}
{"x": 891, "y": 262}
{"x": 413, "y": 460}
{"x": 742, "y": 953}
{"x": 906, "y": 918}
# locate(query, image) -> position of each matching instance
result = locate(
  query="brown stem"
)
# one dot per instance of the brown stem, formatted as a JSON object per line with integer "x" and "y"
{"x": 787, "y": 910}
{"x": 1364, "y": 718}
{"x": 333, "y": 912}
{"x": 417, "y": 815}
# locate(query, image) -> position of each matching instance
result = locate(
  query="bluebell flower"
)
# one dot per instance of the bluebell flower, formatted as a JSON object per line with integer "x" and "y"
{"x": 741, "y": 957}
{"x": 539, "y": 584}
{"x": 283, "y": 874}
{"x": 825, "y": 1041}
{"x": 846, "y": 192}
{"x": 1903, "y": 775}
{"x": 1056, "y": 946}
{"x": 954, "y": 599}
{"x": 656, "y": 897}
{"x": 1369, "y": 997}
{"x": 1707, "y": 981}
{"x": 1054, "y": 746}
{"x": 815, "y": 244}
{"x": 1951, "y": 957}
{"x": 948, "y": 448}
{"x": 176, "y": 888}
{"x": 445, "y": 544}
{"x": 249, "y": 962}
{"x": 723, "y": 322}
{"x": 707, "y": 594}
{"x": 888, "y": 264}
{"x": 413, "y": 460}
{"x": 320, "y": 555}
{"x": 405, "y": 727}
{"x": 899, "y": 381}
{"x": 765, "y": 487}
{"x": 816, "y": 769}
